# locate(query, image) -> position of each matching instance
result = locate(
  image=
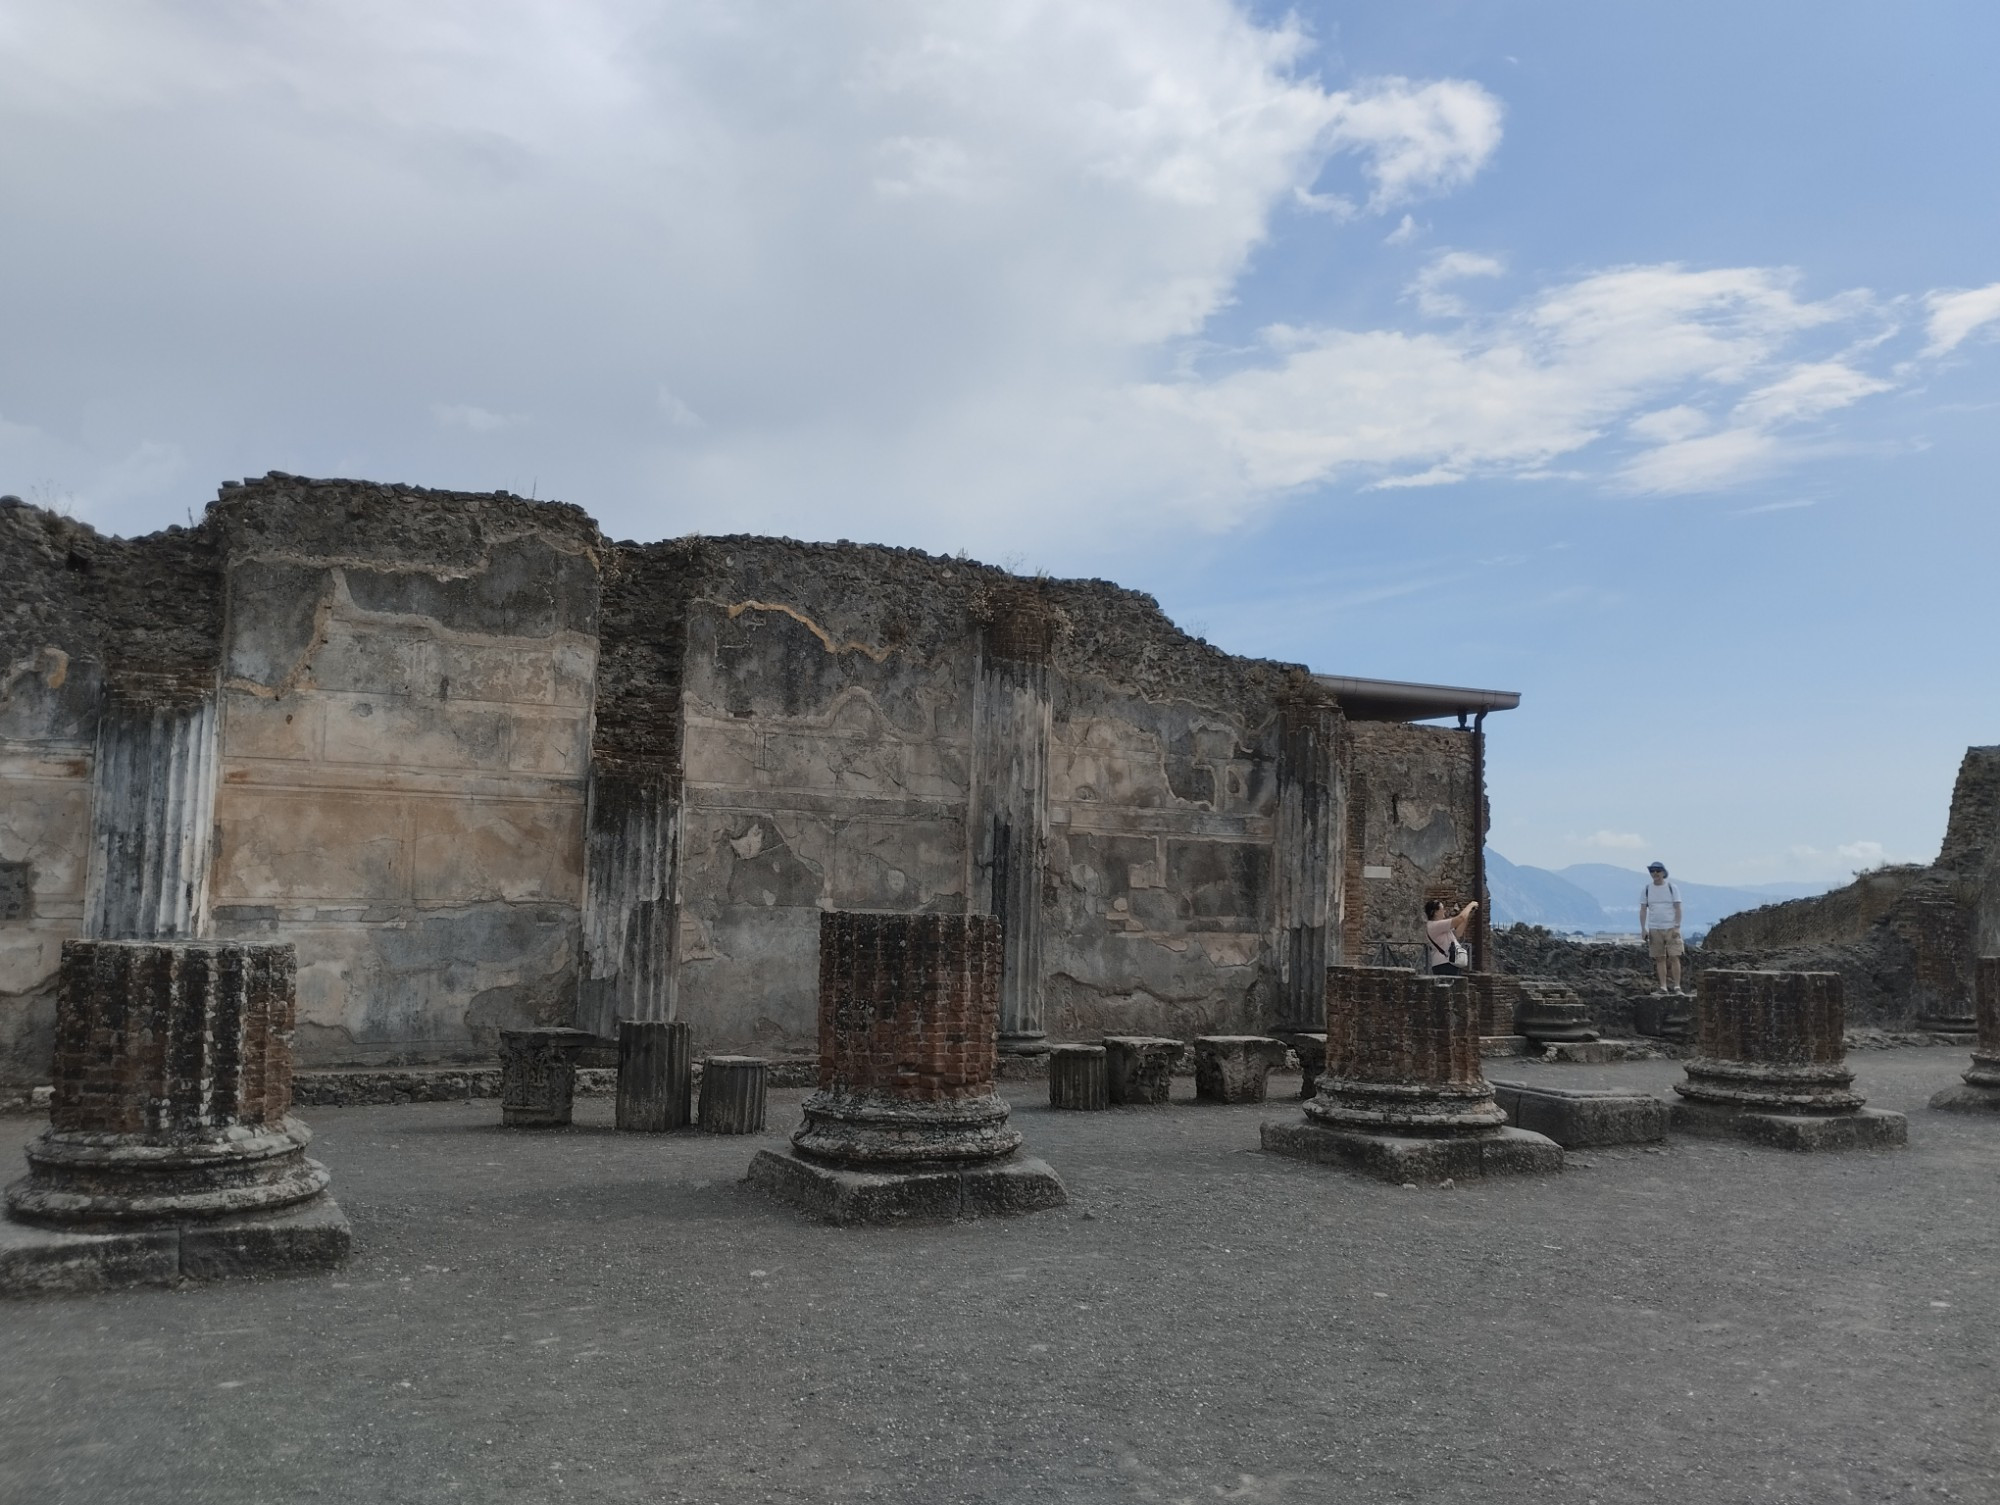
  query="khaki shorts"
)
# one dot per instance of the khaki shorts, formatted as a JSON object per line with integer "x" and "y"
{"x": 1665, "y": 943}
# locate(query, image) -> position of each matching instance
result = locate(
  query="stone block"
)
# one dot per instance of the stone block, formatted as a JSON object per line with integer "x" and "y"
{"x": 1966, "y": 1098}
{"x": 48, "y": 1262}
{"x": 291, "y": 1241}
{"x": 1310, "y": 1047}
{"x": 1234, "y": 1068}
{"x": 655, "y": 1075}
{"x": 733, "y": 1092}
{"x": 1664, "y": 1016}
{"x": 538, "y": 1076}
{"x": 1583, "y": 1119}
{"x": 1139, "y": 1068}
{"x": 1077, "y": 1078}
{"x": 1501, "y": 1047}
{"x": 309, "y": 1238}
{"x": 1418, "y": 1158}
{"x": 927, "y": 1194}
{"x": 1860, "y": 1129}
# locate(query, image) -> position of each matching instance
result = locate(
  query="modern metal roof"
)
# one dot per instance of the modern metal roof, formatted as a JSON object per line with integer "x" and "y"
{"x": 1399, "y": 700}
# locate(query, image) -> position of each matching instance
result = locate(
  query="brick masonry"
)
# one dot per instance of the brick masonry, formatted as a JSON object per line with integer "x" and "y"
{"x": 909, "y": 1005}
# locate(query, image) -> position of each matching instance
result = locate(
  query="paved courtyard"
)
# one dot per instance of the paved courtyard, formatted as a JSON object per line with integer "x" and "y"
{"x": 587, "y": 1315}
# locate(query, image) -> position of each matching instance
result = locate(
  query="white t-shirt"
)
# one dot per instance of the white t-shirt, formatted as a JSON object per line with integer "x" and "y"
{"x": 1657, "y": 903}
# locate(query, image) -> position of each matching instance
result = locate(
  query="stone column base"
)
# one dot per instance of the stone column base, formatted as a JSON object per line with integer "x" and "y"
{"x": 1863, "y": 1129}
{"x": 1399, "y": 1158}
{"x": 997, "y": 1188}
{"x": 299, "y": 1240}
{"x": 1968, "y": 1098}
{"x": 1583, "y": 1119}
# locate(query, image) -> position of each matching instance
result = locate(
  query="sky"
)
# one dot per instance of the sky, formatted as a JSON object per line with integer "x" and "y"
{"x": 1641, "y": 358}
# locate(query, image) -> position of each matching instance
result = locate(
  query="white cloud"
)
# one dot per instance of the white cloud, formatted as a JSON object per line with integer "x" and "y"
{"x": 1419, "y": 138}
{"x": 475, "y": 420}
{"x": 1613, "y": 841}
{"x": 1448, "y": 267}
{"x": 946, "y": 275}
{"x": 1954, "y": 316}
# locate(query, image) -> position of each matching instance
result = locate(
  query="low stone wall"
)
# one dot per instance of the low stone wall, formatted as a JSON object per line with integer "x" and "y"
{"x": 1874, "y": 969}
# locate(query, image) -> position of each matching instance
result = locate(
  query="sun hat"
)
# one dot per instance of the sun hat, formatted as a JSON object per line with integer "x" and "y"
{"x": 1656, "y": 867}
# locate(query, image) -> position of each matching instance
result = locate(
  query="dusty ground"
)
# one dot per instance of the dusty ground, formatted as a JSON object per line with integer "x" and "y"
{"x": 587, "y": 1315}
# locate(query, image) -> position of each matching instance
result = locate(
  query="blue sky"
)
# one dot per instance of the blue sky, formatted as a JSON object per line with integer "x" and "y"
{"x": 1641, "y": 358}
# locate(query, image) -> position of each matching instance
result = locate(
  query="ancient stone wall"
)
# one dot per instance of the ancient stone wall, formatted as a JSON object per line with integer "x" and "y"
{"x": 485, "y": 769}
{"x": 406, "y": 710}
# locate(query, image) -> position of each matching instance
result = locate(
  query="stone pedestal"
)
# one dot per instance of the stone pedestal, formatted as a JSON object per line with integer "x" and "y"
{"x": 1579, "y": 1119}
{"x": 732, "y": 1094}
{"x": 1139, "y": 1069}
{"x": 1664, "y": 1016}
{"x": 906, "y": 1122}
{"x": 1403, "y": 1097}
{"x": 171, "y": 1150}
{"x": 538, "y": 1075}
{"x": 1770, "y": 1065}
{"x": 1234, "y": 1068}
{"x": 655, "y": 1075}
{"x": 1981, "y": 1090}
{"x": 1077, "y": 1078}
{"x": 1550, "y": 1013}
{"x": 1310, "y": 1047}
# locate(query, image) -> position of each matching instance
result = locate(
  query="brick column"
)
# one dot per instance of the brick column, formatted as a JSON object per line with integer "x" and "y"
{"x": 1010, "y": 731}
{"x": 152, "y": 817}
{"x": 1402, "y": 1096}
{"x": 1771, "y": 1064}
{"x": 1981, "y": 1092}
{"x": 906, "y": 1121}
{"x": 173, "y": 1088}
{"x": 1938, "y": 929}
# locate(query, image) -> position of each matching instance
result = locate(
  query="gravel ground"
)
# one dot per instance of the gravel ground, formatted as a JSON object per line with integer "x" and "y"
{"x": 587, "y": 1315}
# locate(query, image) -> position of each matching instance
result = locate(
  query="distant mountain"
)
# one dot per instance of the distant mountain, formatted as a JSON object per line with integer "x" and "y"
{"x": 1610, "y": 897}
{"x": 1536, "y": 896}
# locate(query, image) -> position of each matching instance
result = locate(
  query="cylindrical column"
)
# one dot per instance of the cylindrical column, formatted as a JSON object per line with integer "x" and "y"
{"x": 655, "y": 1074}
{"x": 152, "y": 818}
{"x": 1986, "y": 1052}
{"x": 630, "y": 922}
{"x": 732, "y": 1094}
{"x": 1941, "y": 993}
{"x": 908, "y": 1010}
{"x": 1011, "y": 727}
{"x": 1551, "y": 1011}
{"x": 173, "y": 1088}
{"x": 1771, "y": 1042}
{"x": 1309, "y": 843}
{"x": 1402, "y": 1055}
{"x": 1076, "y": 1078}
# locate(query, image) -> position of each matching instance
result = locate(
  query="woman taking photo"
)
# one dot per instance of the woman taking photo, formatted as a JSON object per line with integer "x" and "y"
{"x": 1444, "y": 938}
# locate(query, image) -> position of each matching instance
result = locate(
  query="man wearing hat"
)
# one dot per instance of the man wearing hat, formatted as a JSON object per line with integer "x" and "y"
{"x": 1660, "y": 921}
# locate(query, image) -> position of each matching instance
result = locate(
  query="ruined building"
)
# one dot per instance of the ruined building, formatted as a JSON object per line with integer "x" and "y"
{"x": 485, "y": 767}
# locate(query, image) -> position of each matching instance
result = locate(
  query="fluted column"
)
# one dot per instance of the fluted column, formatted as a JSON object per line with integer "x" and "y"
{"x": 152, "y": 818}
{"x": 1010, "y": 729}
{"x": 1308, "y": 869}
{"x": 630, "y": 918}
